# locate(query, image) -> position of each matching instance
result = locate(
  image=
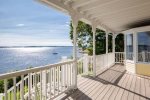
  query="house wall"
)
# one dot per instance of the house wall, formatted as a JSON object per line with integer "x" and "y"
{"x": 130, "y": 66}
{"x": 143, "y": 69}
{"x": 134, "y": 66}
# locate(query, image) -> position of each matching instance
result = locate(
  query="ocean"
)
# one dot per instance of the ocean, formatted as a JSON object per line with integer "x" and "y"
{"x": 19, "y": 58}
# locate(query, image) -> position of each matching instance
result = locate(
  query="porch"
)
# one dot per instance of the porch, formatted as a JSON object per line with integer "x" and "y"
{"x": 54, "y": 81}
{"x": 113, "y": 84}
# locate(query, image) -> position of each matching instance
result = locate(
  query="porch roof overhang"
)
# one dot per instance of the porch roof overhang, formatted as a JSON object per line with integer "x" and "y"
{"x": 111, "y": 15}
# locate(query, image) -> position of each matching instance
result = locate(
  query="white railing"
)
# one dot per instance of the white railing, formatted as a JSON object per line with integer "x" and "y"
{"x": 39, "y": 83}
{"x": 103, "y": 61}
{"x": 119, "y": 57}
{"x": 85, "y": 65}
{"x": 144, "y": 57}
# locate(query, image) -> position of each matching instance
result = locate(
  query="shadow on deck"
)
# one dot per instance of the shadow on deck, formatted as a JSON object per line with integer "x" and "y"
{"x": 113, "y": 84}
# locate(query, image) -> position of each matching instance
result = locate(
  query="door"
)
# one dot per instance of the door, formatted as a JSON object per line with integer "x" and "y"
{"x": 129, "y": 61}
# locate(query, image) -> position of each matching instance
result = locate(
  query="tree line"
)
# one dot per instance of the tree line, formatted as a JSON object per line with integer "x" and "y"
{"x": 85, "y": 39}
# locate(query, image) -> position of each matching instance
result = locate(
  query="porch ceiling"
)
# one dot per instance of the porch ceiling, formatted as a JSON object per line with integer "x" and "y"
{"x": 112, "y": 15}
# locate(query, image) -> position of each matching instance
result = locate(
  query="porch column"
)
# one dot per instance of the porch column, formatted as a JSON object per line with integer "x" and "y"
{"x": 106, "y": 42}
{"x": 106, "y": 49}
{"x": 74, "y": 24}
{"x": 94, "y": 57}
{"x": 114, "y": 44}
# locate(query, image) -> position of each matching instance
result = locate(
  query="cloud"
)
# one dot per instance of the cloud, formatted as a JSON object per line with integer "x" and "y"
{"x": 30, "y": 41}
{"x": 20, "y": 25}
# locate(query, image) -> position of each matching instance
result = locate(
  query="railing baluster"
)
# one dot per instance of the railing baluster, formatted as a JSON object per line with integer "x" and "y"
{"x": 22, "y": 87}
{"x": 41, "y": 85}
{"x": 54, "y": 79}
{"x": 17, "y": 92}
{"x": 35, "y": 86}
{"x": 50, "y": 83}
{"x": 58, "y": 78}
{"x": 5, "y": 89}
{"x": 45, "y": 84}
{"x": 67, "y": 74}
{"x": 14, "y": 83}
{"x": 70, "y": 75}
{"x": 62, "y": 75}
{"x": 29, "y": 86}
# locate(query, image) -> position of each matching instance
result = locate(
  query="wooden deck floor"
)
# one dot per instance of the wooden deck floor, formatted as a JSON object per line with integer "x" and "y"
{"x": 113, "y": 84}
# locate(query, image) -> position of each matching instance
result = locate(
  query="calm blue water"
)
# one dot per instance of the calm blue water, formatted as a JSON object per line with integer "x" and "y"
{"x": 12, "y": 59}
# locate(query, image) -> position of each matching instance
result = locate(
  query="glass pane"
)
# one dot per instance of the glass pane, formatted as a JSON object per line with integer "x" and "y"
{"x": 144, "y": 46}
{"x": 129, "y": 46}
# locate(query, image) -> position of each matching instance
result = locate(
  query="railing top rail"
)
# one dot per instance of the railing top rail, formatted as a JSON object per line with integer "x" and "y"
{"x": 119, "y": 52}
{"x": 31, "y": 70}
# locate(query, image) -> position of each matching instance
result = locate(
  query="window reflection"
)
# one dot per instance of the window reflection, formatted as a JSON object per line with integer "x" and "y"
{"x": 144, "y": 46}
{"x": 129, "y": 46}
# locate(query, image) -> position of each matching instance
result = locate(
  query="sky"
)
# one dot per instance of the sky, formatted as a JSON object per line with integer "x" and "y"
{"x": 30, "y": 23}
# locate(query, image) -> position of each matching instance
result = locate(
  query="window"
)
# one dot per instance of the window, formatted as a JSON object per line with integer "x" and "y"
{"x": 100, "y": 42}
{"x": 143, "y": 46}
{"x": 129, "y": 46}
{"x": 110, "y": 42}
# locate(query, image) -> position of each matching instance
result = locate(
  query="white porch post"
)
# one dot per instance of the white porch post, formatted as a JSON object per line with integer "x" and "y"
{"x": 114, "y": 44}
{"x": 106, "y": 48}
{"x": 74, "y": 24}
{"x": 94, "y": 57}
{"x": 106, "y": 42}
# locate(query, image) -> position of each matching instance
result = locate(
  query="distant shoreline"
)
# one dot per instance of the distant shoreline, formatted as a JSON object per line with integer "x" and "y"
{"x": 30, "y": 46}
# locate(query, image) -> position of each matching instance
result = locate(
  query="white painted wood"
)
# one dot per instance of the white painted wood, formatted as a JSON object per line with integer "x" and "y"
{"x": 14, "y": 83}
{"x": 55, "y": 87}
{"x": 104, "y": 61}
{"x": 68, "y": 9}
{"x": 94, "y": 25}
{"x": 114, "y": 44}
{"x": 22, "y": 87}
{"x": 94, "y": 5}
{"x": 50, "y": 83}
{"x": 35, "y": 86}
{"x": 80, "y": 3}
{"x": 54, "y": 81}
{"x": 119, "y": 57}
{"x": 45, "y": 85}
{"x": 5, "y": 90}
{"x": 130, "y": 66}
{"x": 29, "y": 86}
{"x": 135, "y": 47}
{"x": 107, "y": 48}
{"x": 74, "y": 24}
{"x": 115, "y": 14}
{"x": 85, "y": 63}
{"x": 58, "y": 74}
{"x": 35, "y": 69}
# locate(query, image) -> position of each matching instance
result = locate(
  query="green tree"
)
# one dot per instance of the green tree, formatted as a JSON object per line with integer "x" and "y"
{"x": 119, "y": 43}
{"x": 85, "y": 39}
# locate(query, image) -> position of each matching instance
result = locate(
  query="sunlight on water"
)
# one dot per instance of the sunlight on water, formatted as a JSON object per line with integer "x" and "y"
{"x": 31, "y": 50}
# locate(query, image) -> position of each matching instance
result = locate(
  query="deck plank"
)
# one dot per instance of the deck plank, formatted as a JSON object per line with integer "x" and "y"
{"x": 102, "y": 94}
{"x": 137, "y": 89}
{"x": 81, "y": 89}
{"x": 106, "y": 97}
{"x": 121, "y": 90}
{"x": 132, "y": 87}
{"x": 85, "y": 91}
{"x": 147, "y": 87}
{"x": 113, "y": 84}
